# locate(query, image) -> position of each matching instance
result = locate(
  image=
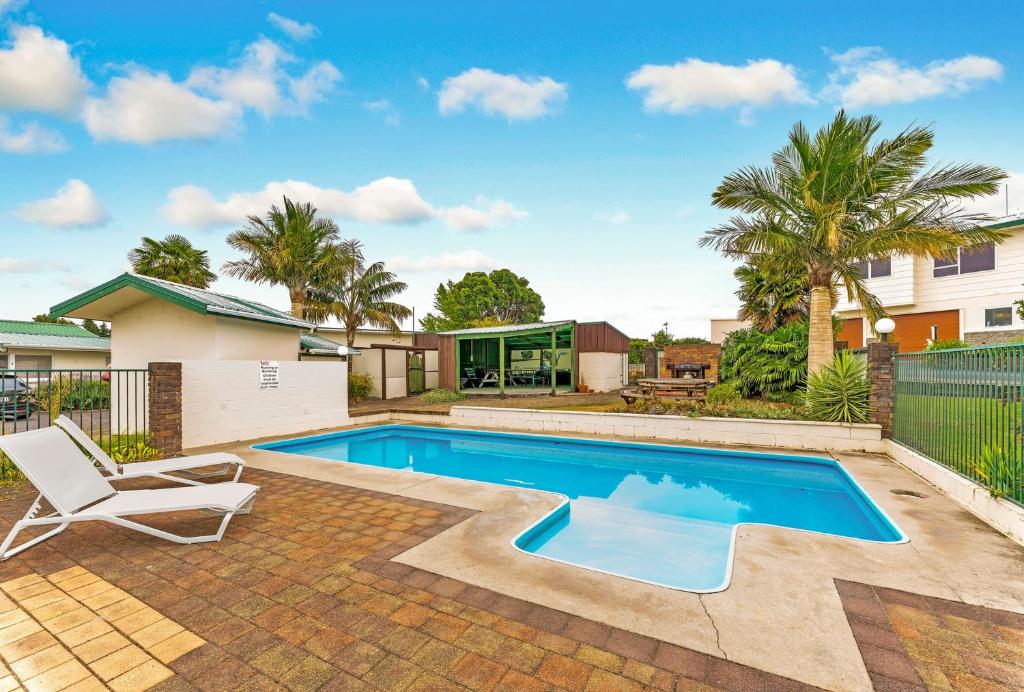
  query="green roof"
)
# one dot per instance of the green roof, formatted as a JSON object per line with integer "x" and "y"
{"x": 196, "y": 299}
{"x": 44, "y": 329}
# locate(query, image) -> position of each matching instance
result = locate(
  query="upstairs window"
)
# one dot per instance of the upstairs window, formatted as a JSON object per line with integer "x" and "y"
{"x": 875, "y": 268}
{"x": 998, "y": 317}
{"x": 968, "y": 261}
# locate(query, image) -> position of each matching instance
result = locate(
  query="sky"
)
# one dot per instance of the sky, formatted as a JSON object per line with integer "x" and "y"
{"x": 576, "y": 144}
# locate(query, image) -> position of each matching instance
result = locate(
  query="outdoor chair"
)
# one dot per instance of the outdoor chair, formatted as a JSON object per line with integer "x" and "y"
{"x": 156, "y": 469}
{"x": 471, "y": 379}
{"x": 69, "y": 481}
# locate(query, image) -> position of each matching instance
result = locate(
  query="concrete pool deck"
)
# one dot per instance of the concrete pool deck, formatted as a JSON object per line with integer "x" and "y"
{"x": 782, "y": 612}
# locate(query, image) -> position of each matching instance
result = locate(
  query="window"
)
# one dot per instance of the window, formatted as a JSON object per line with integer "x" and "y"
{"x": 875, "y": 268}
{"x": 27, "y": 362}
{"x": 979, "y": 259}
{"x": 934, "y": 333}
{"x": 998, "y": 317}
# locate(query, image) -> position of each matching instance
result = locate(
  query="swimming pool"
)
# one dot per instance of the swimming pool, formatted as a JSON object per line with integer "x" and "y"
{"x": 656, "y": 513}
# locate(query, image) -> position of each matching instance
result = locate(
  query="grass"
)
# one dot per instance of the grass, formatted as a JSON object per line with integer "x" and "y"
{"x": 954, "y": 430}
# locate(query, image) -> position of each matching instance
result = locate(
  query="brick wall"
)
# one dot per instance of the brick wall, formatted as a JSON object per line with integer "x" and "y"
{"x": 165, "y": 408}
{"x": 691, "y": 353}
{"x": 994, "y": 337}
{"x": 880, "y": 378}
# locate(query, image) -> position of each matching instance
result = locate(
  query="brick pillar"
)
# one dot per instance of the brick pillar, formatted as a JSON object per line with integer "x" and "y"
{"x": 880, "y": 378}
{"x": 165, "y": 408}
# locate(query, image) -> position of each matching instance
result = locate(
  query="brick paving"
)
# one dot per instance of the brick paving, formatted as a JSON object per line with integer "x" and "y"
{"x": 302, "y": 594}
{"x": 914, "y": 642}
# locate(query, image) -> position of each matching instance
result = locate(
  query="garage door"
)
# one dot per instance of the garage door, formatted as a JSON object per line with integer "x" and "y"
{"x": 913, "y": 331}
{"x": 851, "y": 335}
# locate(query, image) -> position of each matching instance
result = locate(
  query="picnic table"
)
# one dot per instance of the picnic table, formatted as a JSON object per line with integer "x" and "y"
{"x": 691, "y": 388}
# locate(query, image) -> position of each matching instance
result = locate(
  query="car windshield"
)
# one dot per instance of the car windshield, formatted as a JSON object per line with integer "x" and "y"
{"x": 10, "y": 383}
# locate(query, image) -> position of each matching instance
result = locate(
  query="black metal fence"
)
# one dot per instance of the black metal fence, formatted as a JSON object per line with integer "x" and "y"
{"x": 111, "y": 406}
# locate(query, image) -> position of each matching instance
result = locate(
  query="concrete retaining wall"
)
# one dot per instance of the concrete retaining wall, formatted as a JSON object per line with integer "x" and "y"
{"x": 221, "y": 400}
{"x": 733, "y": 431}
{"x": 1002, "y": 514}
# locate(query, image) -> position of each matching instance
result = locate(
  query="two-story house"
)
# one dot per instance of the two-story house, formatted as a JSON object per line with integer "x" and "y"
{"x": 969, "y": 297}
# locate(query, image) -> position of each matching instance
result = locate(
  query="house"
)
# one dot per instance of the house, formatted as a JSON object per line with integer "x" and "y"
{"x": 969, "y": 297}
{"x": 724, "y": 326}
{"x": 46, "y": 346}
{"x": 154, "y": 320}
{"x": 533, "y": 358}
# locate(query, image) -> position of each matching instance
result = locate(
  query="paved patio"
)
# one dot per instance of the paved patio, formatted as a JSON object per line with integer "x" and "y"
{"x": 306, "y": 593}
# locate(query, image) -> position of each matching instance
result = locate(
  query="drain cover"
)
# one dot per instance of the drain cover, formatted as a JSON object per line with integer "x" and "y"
{"x": 911, "y": 493}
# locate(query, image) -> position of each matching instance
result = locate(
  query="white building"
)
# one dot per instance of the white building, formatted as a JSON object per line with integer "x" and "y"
{"x": 970, "y": 297}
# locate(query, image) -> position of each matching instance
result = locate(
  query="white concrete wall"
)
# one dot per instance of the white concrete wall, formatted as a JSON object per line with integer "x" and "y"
{"x": 735, "y": 431}
{"x": 368, "y": 362}
{"x": 247, "y": 340}
{"x": 221, "y": 400}
{"x": 723, "y": 327}
{"x": 156, "y": 330}
{"x": 69, "y": 360}
{"x": 396, "y": 372}
{"x": 602, "y": 372}
{"x": 1002, "y": 514}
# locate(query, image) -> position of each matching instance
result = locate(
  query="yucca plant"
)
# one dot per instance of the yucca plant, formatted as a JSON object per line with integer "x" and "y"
{"x": 1001, "y": 475}
{"x": 838, "y": 393}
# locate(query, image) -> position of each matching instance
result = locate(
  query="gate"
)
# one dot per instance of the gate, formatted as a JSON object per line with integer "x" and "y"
{"x": 962, "y": 408}
{"x": 416, "y": 372}
{"x": 111, "y": 406}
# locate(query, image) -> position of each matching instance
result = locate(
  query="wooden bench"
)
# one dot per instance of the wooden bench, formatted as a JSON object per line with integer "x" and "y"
{"x": 690, "y": 389}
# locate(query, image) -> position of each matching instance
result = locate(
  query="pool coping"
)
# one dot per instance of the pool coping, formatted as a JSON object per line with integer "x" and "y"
{"x": 785, "y": 583}
{"x": 565, "y": 502}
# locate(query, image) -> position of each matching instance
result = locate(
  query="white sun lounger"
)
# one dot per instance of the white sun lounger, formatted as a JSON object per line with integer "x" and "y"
{"x": 157, "y": 469}
{"x": 70, "y": 482}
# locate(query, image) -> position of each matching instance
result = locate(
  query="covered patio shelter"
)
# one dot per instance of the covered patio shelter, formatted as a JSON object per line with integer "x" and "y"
{"x": 510, "y": 360}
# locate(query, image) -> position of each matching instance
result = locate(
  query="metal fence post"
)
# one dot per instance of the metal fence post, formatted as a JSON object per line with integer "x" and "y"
{"x": 165, "y": 408}
{"x": 880, "y": 379}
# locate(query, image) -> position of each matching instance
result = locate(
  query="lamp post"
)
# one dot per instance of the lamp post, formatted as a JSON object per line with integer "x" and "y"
{"x": 885, "y": 327}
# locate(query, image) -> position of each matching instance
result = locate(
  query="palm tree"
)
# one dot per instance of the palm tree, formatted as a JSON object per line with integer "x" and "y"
{"x": 360, "y": 295}
{"x": 771, "y": 295}
{"x": 289, "y": 247}
{"x": 840, "y": 197}
{"x": 173, "y": 259}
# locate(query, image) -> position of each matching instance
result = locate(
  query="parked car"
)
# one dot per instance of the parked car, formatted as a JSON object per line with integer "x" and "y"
{"x": 14, "y": 397}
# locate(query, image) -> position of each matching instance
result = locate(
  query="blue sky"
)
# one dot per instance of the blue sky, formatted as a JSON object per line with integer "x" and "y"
{"x": 579, "y": 150}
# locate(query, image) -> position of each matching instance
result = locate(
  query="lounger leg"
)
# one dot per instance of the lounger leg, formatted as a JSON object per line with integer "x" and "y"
{"x": 173, "y": 537}
{"x": 5, "y": 548}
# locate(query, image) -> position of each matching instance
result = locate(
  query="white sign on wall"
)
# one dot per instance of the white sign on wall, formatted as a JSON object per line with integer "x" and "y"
{"x": 270, "y": 372}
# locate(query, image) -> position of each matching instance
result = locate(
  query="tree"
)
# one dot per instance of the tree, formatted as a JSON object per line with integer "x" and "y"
{"x": 772, "y": 295}
{"x": 479, "y": 299}
{"x": 172, "y": 259}
{"x": 837, "y": 198}
{"x": 99, "y": 329}
{"x": 663, "y": 338}
{"x": 51, "y": 320}
{"x": 291, "y": 248}
{"x": 360, "y": 295}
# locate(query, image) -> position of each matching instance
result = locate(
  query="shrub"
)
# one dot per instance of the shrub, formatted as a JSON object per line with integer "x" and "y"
{"x": 360, "y": 385}
{"x": 442, "y": 396}
{"x": 839, "y": 392}
{"x": 740, "y": 409}
{"x": 946, "y": 344}
{"x": 726, "y": 393}
{"x": 1001, "y": 475}
{"x": 765, "y": 362}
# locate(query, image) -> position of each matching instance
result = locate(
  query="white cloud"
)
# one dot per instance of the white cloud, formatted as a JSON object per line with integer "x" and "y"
{"x": 487, "y": 213}
{"x": 297, "y": 31}
{"x": 386, "y": 200}
{"x": 12, "y": 265}
{"x": 30, "y": 138}
{"x": 38, "y": 73}
{"x": 423, "y": 83}
{"x": 74, "y": 205}
{"x": 687, "y": 86}
{"x": 466, "y": 261}
{"x": 616, "y": 218}
{"x": 145, "y": 107}
{"x": 387, "y": 111}
{"x": 505, "y": 94}
{"x": 864, "y": 76}
{"x": 1010, "y": 195}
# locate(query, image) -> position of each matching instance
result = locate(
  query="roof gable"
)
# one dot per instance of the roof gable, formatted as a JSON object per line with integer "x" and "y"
{"x": 195, "y": 299}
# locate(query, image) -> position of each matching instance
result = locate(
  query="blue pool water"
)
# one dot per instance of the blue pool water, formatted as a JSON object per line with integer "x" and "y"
{"x": 656, "y": 513}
